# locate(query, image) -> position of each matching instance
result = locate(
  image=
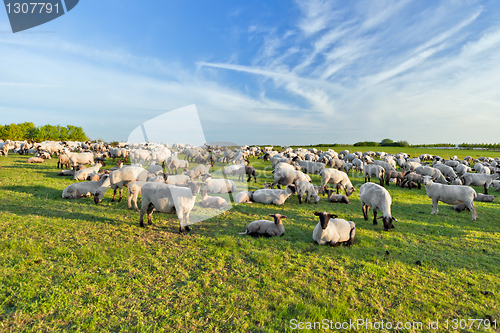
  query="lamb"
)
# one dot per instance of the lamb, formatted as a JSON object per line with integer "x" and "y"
{"x": 332, "y": 230}
{"x": 169, "y": 199}
{"x": 411, "y": 178}
{"x": 285, "y": 176}
{"x": 244, "y": 197}
{"x": 335, "y": 176}
{"x": 212, "y": 202}
{"x": 79, "y": 190}
{"x": 462, "y": 169}
{"x": 377, "y": 197}
{"x": 63, "y": 161}
{"x": 266, "y": 228}
{"x": 304, "y": 187}
{"x": 35, "y": 160}
{"x": 337, "y": 198}
{"x": 388, "y": 167}
{"x": 374, "y": 170}
{"x": 450, "y": 194}
{"x": 155, "y": 169}
{"x": 479, "y": 179}
{"x": 276, "y": 197}
{"x": 219, "y": 185}
{"x": 85, "y": 173}
{"x": 176, "y": 179}
{"x": 399, "y": 176}
{"x": 198, "y": 171}
{"x": 119, "y": 178}
{"x": 173, "y": 162}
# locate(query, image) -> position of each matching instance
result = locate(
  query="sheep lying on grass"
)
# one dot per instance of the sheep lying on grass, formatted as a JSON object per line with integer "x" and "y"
{"x": 219, "y": 185}
{"x": 276, "y": 197}
{"x": 332, "y": 230}
{"x": 337, "y": 198}
{"x": 266, "y": 228}
{"x": 450, "y": 194}
{"x": 35, "y": 160}
{"x": 244, "y": 197}
{"x": 79, "y": 190}
{"x": 480, "y": 197}
{"x": 377, "y": 197}
{"x": 212, "y": 202}
{"x": 169, "y": 199}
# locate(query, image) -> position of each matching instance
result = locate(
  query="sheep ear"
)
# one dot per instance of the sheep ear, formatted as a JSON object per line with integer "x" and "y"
{"x": 317, "y": 213}
{"x": 333, "y": 216}
{"x": 284, "y": 217}
{"x": 273, "y": 215}
{"x": 394, "y": 219}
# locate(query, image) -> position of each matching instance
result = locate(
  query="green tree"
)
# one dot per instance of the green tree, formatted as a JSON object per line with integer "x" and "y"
{"x": 386, "y": 142}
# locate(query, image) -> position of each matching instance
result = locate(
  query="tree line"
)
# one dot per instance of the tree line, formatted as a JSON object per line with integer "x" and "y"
{"x": 28, "y": 131}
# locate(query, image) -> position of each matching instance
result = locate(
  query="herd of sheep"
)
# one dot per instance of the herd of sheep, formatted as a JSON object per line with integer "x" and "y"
{"x": 164, "y": 189}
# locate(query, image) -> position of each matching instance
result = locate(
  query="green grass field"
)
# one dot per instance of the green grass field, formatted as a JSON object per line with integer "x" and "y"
{"x": 71, "y": 265}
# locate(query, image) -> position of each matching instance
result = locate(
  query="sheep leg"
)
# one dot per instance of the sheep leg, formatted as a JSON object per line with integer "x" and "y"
{"x": 485, "y": 188}
{"x": 365, "y": 209}
{"x": 121, "y": 192}
{"x": 382, "y": 181}
{"x": 114, "y": 195}
{"x": 136, "y": 195}
{"x": 434, "y": 206}
{"x": 129, "y": 201}
{"x": 470, "y": 205}
{"x": 375, "y": 216}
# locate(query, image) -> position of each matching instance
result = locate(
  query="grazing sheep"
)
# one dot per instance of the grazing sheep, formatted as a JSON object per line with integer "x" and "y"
{"x": 311, "y": 167}
{"x": 456, "y": 181}
{"x": 119, "y": 178}
{"x": 450, "y": 194}
{"x": 79, "y": 190}
{"x": 304, "y": 187}
{"x": 374, "y": 170}
{"x": 35, "y": 160}
{"x": 198, "y": 171}
{"x": 332, "y": 230}
{"x": 412, "y": 178}
{"x": 462, "y": 169}
{"x": 479, "y": 179}
{"x": 244, "y": 197}
{"x": 266, "y": 228}
{"x": 219, "y": 185}
{"x": 212, "y": 202}
{"x": 63, "y": 161}
{"x": 337, "y": 198}
{"x": 173, "y": 162}
{"x": 169, "y": 199}
{"x": 276, "y": 197}
{"x": 80, "y": 159}
{"x": 285, "y": 176}
{"x": 335, "y": 176}
{"x": 496, "y": 185}
{"x": 432, "y": 172}
{"x": 377, "y": 197}
{"x": 447, "y": 171}
{"x": 399, "y": 176}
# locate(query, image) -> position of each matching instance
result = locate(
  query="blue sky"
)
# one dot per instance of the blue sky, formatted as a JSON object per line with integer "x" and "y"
{"x": 281, "y": 72}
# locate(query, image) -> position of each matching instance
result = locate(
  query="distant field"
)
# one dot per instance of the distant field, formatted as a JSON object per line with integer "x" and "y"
{"x": 71, "y": 265}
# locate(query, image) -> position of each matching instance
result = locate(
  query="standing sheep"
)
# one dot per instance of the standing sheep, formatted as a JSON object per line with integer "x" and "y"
{"x": 335, "y": 177}
{"x": 304, "y": 187}
{"x": 377, "y": 197}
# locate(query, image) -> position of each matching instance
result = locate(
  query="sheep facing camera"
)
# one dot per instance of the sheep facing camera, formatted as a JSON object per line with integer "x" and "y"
{"x": 175, "y": 143}
{"x": 25, "y": 15}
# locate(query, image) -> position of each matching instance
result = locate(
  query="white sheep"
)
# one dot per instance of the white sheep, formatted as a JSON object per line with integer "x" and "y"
{"x": 286, "y": 176}
{"x": 80, "y": 159}
{"x": 79, "y": 190}
{"x": 212, "y": 202}
{"x": 177, "y": 179}
{"x": 169, "y": 199}
{"x": 304, "y": 187}
{"x": 243, "y": 197}
{"x": 377, "y": 197}
{"x": 337, "y": 198}
{"x": 83, "y": 174}
{"x": 374, "y": 170}
{"x": 119, "y": 178}
{"x": 332, "y": 230}
{"x": 219, "y": 185}
{"x": 276, "y": 197}
{"x": 479, "y": 179}
{"x": 335, "y": 176}
{"x": 266, "y": 228}
{"x": 450, "y": 194}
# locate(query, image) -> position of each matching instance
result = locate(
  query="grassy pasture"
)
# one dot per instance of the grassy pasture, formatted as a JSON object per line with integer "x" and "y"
{"x": 70, "y": 265}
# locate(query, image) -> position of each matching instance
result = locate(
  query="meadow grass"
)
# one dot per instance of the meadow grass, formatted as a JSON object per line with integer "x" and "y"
{"x": 71, "y": 265}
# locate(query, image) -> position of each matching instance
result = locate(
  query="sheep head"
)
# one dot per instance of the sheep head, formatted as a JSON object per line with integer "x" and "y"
{"x": 324, "y": 218}
{"x": 195, "y": 187}
{"x": 277, "y": 218}
{"x": 387, "y": 220}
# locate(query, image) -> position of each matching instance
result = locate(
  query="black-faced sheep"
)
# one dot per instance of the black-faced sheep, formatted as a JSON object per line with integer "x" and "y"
{"x": 332, "y": 230}
{"x": 377, "y": 197}
{"x": 266, "y": 228}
